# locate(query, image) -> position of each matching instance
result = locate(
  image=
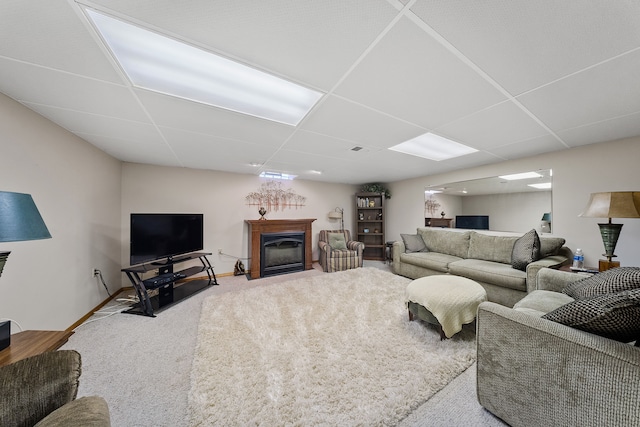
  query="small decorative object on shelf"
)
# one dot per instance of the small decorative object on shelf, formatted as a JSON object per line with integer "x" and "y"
{"x": 262, "y": 212}
{"x": 442, "y": 214}
{"x": 372, "y": 204}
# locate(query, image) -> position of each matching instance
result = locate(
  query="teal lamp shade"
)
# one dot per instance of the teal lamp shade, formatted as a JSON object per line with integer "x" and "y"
{"x": 19, "y": 220}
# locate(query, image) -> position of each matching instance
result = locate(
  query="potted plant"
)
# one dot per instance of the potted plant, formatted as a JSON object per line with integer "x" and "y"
{"x": 376, "y": 188}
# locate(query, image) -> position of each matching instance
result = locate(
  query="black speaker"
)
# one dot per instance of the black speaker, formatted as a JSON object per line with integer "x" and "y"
{"x": 5, "y": 334}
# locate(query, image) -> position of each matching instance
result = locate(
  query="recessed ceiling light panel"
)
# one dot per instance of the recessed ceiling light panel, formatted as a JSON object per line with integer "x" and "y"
{"x": 162, "y": 64}
{"x": 433, "y": 147}
{"x": 524, "y": 175}
{"x": 541, "y": 186}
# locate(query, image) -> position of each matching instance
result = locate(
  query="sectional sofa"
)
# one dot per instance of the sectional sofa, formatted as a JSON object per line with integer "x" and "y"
{"x": 485, "y": 257}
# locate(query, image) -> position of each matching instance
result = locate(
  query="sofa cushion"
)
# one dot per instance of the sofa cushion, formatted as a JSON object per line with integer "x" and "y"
{"x": 525, "y": 250}
{"x": 541, "y": 302}
{"x": 413, "y": 243}
{"x": 491, "y": 248}
{"x": 550, "y": 246}
{"x": 610, "y": 281}
{"x": 614, "y": 315}
{"x": 446, "y": 242}
{"x": 337, "y": 241}
{"x": 495, "y": 273}
{"x": 431, "y": 260}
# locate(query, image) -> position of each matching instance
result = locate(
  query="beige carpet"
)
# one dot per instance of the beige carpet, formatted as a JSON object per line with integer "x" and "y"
{"x": 333, "y": 349}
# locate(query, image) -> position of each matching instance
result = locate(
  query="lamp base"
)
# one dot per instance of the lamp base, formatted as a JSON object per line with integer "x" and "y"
{"x": 604, "y": 265}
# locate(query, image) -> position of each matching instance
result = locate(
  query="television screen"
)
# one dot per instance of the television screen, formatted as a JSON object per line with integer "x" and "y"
{"x": 472, "y": 222}
{"x": 157, "y": 236}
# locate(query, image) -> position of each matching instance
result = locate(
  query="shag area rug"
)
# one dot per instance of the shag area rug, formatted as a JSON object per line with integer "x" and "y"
{"x": 333, "y": 349}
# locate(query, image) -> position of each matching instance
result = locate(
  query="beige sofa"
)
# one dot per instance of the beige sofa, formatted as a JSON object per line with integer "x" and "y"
{"x": 534, "y": 371}
{"x": 484, "y": 257}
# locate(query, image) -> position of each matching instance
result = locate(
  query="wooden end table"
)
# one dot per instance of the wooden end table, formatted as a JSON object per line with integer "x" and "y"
{"x": 31, "y": 343}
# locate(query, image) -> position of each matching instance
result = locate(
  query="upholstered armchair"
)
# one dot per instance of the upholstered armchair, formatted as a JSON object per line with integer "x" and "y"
{"x": 338, "y": 252}
{"x": 41, "y": 391}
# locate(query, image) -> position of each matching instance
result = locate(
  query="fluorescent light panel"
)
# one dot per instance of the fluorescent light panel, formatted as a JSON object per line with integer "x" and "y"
{"x": 541, "y": 186}
{"x": 276, "y": 175}
{"x": 433, "y": 147}
{"x": 161, "y": 64}
{"x": 524, "y": 175}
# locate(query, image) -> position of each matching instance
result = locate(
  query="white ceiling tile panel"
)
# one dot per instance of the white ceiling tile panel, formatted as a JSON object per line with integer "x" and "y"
{"x": 78, "y": 122}
{"x": 411, "y": 76}
{"x": 313, "y": 42}
{"x": 192, "y": 116}
{"x": 530, "y": 147}
{"x": 607, "y": 130}
{"x": 49, "y": 33}
{"x": 343, "y": 119}
{"x": 323, "y": 145}
{"x": 138, "y": 151}
{"x": 609, "y": 90}
{"x": 38, "y": 85}
{"x": 501, "y": 124}
{"x": 524, "y": 44}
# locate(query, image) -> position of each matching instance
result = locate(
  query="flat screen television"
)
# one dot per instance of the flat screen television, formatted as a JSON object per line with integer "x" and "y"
{"x": 472, "y": 222}
{"x": 156, "y": 236}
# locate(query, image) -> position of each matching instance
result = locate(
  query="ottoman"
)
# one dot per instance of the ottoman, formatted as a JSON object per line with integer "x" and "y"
{"x": 445, "y": 301}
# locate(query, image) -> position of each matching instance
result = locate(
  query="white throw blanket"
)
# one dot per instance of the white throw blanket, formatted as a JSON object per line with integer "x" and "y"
{"x": 453, "y": 300}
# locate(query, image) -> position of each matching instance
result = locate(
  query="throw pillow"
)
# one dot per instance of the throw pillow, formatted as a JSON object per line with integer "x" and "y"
{"x": 337, "y": 241}
{"x": 525, "y": 250}
{"x": 615, "y": 316}
{"x": 610, "y": 281}
{"x": 413, "y": 243}
{"x": 550, "y": 246}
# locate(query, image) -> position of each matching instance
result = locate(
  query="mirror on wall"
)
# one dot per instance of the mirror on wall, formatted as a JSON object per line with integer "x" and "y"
{"x": 514, "y": 203}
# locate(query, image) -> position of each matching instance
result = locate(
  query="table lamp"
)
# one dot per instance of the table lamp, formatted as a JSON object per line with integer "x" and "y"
{"x": 618, "y": 204}
{"x": 19, "y": 220}
{"x": 545, "y": 223}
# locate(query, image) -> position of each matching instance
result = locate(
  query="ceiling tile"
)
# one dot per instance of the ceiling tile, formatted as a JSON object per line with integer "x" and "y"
{"x": 414, "y": 78}
{"x": 501, "y": 124}
{"x": 343, "y": 119}
{"x": 37, "y": 85}
{"x": 529, "y": 147}
{"x": 168, "y": 111}
{"x": 599, "y": 93}
{"x": 50, "y": 34}
{"x": 524, "y": 44}
{"x": 607, "y": 130}
{"x": 147, "y": 151}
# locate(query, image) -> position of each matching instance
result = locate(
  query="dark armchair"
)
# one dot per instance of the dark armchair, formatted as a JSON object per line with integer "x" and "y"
{"x": 338, "y": 252}
{"x": 41, "y": 391}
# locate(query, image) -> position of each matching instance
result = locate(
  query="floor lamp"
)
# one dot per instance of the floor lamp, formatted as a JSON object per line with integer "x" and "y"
{"x": 19, "y": 220}
{"x": 338, "y": 213}
{"x": 618, "y": 204}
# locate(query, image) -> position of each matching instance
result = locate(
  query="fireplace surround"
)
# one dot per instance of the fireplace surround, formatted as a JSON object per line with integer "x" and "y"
{"x": 293, "y": 231}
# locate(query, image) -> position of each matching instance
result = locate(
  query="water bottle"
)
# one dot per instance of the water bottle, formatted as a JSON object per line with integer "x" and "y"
{"x": 578, "y": 260}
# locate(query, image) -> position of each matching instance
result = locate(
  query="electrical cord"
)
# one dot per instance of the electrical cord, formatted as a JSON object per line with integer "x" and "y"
{"x": 102, "y": 280}
{"x": 4, "y": 319}
{"x": 231, "y": 256}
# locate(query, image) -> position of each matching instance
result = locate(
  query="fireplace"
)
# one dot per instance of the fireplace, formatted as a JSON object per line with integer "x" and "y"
{"x": 283, "y": 239}
{"x": 281, "y": 253}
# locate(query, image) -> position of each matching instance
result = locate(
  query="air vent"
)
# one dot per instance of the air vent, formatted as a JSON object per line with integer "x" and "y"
{"x": 356, "y": 149}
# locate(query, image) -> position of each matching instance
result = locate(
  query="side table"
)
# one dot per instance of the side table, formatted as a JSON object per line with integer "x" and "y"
{"x": 30, "y": 343}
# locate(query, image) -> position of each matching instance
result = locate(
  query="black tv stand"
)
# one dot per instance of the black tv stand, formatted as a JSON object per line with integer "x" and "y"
{"x": 164, "y": 281}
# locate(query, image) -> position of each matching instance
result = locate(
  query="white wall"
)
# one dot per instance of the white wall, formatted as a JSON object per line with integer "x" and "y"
{"x": 577, "y": 172}
{"x": 47, "y": 284}
{"x": 220, "y": 196}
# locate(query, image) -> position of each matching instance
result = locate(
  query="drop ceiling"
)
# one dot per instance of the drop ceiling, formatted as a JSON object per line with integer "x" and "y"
{"x": 508, "y": 78}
